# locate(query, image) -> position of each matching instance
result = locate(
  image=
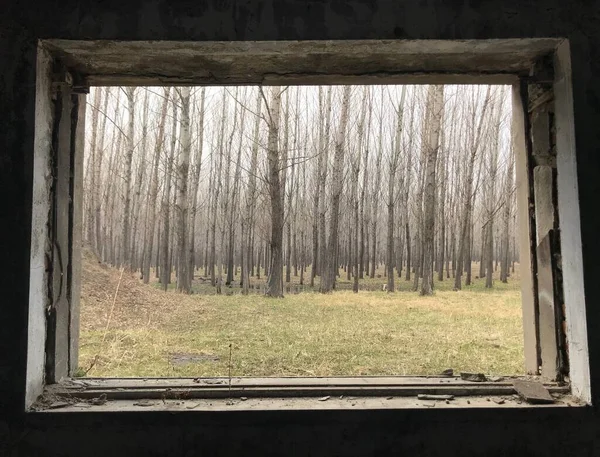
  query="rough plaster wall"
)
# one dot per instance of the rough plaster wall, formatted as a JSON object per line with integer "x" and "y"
{"x": 532, "y": 432}
{"x": 40, "y": 243}
{"x": 570, "y": 233}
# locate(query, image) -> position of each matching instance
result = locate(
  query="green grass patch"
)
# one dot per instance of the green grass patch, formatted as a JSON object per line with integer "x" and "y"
{"x": 307, "y": 333}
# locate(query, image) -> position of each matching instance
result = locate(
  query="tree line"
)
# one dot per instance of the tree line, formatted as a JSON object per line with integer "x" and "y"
{"x": 309, "y": 182}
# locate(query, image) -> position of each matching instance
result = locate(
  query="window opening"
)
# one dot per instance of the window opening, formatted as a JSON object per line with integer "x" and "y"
{"x": 262, "y": 231}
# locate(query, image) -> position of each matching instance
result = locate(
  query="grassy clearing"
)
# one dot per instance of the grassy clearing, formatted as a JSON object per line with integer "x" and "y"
{"x": 152, "y": 333}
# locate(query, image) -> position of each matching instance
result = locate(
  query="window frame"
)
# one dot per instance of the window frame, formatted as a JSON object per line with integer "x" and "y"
{"x": 63, "y": 78}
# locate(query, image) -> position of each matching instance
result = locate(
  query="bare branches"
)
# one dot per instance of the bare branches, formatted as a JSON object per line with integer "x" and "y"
{"x": 378, "y": 167}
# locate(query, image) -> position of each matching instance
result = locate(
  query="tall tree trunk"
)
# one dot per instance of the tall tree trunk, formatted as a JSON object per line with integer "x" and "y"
{"x": 251, "y": 200}
{"x": 109, "y": 199}
{"x": 359, "y": 203}
{"x": 234, "y": 199}
{"x": 329, "y": 273}
{"x": 391, "y": 197}
{"x": 195, "y": 187}
{"x": 406, "y": 203}
{"x": 376, "y": 189}
{"x": 491, "y": 183}
{"x": 140, "y": 187}
{"x": 419, "y": 195}
{"x": 165, "y": 263}
{"x": 217, "y": 191}
{"x": 98, "y": 173}
{"x": 151, "y": 220}
{"x": 364, "y": 241}
{"x": 290, "y": 194}
{"x": 226, "y": 205}
{"x": 275, "y": 280}
{"x": 464, "y": 243}
{"x": 442, "y": 205}
{"x": 322, "y": 185}
{"x": 183, "y": 168}
{"x": 437, "y": 106}
{"x": 91, "y": 194}
{"x": 126, "y": 259}
{"x": 318, "y": 171}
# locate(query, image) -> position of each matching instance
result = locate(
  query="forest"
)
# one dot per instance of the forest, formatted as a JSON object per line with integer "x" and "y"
{"x": 255, "y": 189}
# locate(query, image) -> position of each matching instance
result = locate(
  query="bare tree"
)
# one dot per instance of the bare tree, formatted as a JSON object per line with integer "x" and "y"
{"x": 364, "y": 242}
{"x": 99, "y": 159}
{"x": 328, "y": 273}
{"x": 91, "y": 194}
{"x": 165, "y": 262}
{"x": 436, "y": 99}
{"x": 248, "y": 220}
{"x": 275, "y": 279}
{"x": 393, "y": 164}
{"x": 490, "y": 182}
{"x": 507, "y": 200}
{"x": 217, "y": 184}
{"x": 195, "y": 187}
{"x": 183, "y": 167}
{"x": 356, "y": 201}
{"x": 376, "y": 190}
{"x": 324, "y": 149}
{"x": 140, "y": 184}
{"x": 331, "y": 212}
{"x": 125, "y": 253}
{"x": 153, "y": 194}
{"x": 476, "y": 130}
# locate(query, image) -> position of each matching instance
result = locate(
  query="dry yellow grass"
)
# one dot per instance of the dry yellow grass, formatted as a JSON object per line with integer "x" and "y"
{"x": 153, "y": 333}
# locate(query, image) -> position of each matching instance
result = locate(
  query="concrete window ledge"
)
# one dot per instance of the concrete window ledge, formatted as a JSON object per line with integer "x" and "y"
{"x": 303, "y": 404}
{"x": 239, "y": 394}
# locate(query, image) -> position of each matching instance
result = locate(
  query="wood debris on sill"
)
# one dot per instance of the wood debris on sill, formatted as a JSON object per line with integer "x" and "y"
{"x": 435, "y": 397}
{"x": 473, "y": 377}
{"x": 353, "y": 403}
{"x": 57, "y": 397}
{"x": 533, "y": 392}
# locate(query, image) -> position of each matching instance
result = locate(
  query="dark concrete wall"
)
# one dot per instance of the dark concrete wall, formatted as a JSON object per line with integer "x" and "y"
{"x": 478, "y": 432}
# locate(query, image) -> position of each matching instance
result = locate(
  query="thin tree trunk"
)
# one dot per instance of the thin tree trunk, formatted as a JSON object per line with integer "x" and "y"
{"x": 91, "y": 191}
{"x": 391, "y": 203}
{"x": 140, "y": 187}
{"x": 275, "y": 280}
{"x": 376, "y": 189}
{"x": 213, "y": 227}
{"x": 183, "y": 275}
{"x": 464, "y": 244}
{"x": 436, "y": 112}
{"x": 407, "y": 181}
{"x": 165, "y": 264}
{"x": 317, "y": 195}
{"x": 234, "y": 200}
{"x": 195, "y": 187}
{"x": 358, "y": 203}
{"x": 251, "y": 200}
{"x": 126, "y": 260}
{"x": 329, "y": 274}
{"x": 323, "y": 182}
{"x": 506, "y": 221}
{"x": 151, "y": 221}
{"x": 226, "y": 205}
{"x": 442, "y": 205}
{"x": 364, "y": 242}
{"x": 97, "y": 174}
